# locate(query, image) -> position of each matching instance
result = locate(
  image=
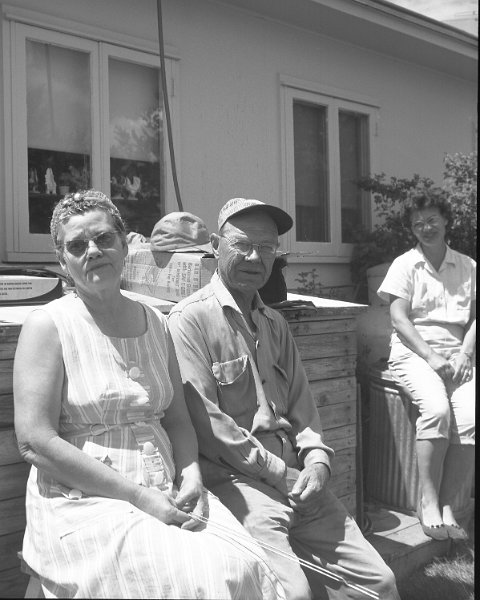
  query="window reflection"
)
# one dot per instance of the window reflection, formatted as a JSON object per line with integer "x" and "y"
{"x": 58, "y": 127}
{"x": 136, "y": 137}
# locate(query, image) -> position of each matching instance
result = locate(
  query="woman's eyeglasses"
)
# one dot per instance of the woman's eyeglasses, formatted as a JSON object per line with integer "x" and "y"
{"x": 431, "y": 222}
{"x": 103, "y": 241}
{"x": 244, "y": 248}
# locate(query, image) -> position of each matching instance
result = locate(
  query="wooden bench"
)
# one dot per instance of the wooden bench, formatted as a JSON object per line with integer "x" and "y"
{"x": 326, "y": 338}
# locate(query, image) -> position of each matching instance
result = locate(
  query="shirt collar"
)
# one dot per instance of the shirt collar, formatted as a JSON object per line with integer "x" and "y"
{"x": 225, "y": 298}
{"x": 421, "y": 258}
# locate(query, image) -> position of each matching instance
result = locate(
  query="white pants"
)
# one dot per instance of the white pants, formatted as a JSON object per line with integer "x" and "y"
{"x": 446, "y": 409}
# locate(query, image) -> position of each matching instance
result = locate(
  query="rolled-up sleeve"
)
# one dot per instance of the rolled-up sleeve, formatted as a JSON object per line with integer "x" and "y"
{"x": 398, "y": 280}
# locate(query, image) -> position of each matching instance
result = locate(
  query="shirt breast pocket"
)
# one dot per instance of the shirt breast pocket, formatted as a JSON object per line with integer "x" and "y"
{"x": 235, "y": 387}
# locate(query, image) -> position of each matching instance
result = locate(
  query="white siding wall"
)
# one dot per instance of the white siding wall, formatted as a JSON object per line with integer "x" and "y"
{"x": 229, "y": 67}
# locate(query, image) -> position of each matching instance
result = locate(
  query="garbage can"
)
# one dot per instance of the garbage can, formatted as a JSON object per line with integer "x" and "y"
{"x": 392, "y": 476}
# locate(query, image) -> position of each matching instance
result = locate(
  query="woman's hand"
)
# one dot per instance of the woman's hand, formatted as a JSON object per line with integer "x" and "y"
{"x": 159, "y": 504}
{"x": 440, "y": 365}
{"x": 462, "y": 366}
{"x": 192, "y": 498}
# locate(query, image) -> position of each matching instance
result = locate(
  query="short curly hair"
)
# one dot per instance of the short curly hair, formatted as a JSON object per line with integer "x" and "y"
{"x": 79, "y": 203}
{"x": 427, "y": 197}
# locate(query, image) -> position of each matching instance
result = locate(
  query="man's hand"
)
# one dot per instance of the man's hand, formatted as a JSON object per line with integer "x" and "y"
{"x": 305, "y": 494}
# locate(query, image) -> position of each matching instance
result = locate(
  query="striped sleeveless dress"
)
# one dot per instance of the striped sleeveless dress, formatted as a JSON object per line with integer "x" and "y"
{"x": 114, "y": 396}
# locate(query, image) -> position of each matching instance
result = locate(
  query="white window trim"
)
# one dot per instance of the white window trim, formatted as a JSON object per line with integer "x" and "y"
{"x": 292, "y": 88}
{"x": 16, "y": 19}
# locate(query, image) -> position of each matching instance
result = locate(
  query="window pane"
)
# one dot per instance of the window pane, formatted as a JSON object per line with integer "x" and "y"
{"x": 354, "y": 164}
{"x": 58, "y": 127}
{"x": 136, "y": 138}
{"x": 311, "y": 172}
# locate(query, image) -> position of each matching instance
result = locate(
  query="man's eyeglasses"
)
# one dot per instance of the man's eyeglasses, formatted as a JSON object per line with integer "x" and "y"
{"x": 103, "y": 241}
{"x": 267, "y": 250}
{"x": 431, "y": 222}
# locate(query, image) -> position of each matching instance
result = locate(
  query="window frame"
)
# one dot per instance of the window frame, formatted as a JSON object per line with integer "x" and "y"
{"x": 334, "y": 100}
{"x": 20, "y": 25}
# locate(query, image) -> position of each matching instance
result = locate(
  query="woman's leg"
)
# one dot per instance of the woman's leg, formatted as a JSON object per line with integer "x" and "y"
{"x": 433, "y": 428}
{"x": 430, "y": 461}
{"x": 460, "y": 458}
{"x": 458, "y": 468}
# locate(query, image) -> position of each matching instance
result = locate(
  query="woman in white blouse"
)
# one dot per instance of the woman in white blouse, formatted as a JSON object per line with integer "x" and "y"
{"x": 431, "y": 290}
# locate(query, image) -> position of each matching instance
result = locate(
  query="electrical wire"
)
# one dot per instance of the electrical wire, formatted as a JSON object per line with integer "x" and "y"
{"x": 166, "y": 103}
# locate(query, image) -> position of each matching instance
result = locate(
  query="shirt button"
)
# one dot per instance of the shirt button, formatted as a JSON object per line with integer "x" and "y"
{"x": 134, "y": 373}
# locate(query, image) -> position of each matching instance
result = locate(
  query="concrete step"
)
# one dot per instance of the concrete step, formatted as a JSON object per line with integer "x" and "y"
{"x": 399, "y": 539}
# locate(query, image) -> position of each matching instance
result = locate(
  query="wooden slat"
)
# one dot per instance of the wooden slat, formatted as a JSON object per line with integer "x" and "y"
{"x": 327, "y": 345}
{"x": 13, "y": 480}
{"x": 12, "y": 515}
{"x": 343, "y": 484}
{"x": 341, "y": 437}
{"x": 330, "y": 368}
{"x": 7, "y": 348}
{"x": 10, "y": 544}
{"x": 9, "y": 453}
{"x": 6, "y": 411}
{"x": 13, "y": 583}
{"x": 344, "y": 461}
{"x": 334, "y": 391}
{"x": 338, "y": 414}
{"x": 6, "y": 376}
{"x": 315, "y": 327}
{"x": 325, "y": 312}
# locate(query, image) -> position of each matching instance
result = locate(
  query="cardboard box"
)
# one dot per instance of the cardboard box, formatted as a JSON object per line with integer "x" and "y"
{"x": 166, "y": 275}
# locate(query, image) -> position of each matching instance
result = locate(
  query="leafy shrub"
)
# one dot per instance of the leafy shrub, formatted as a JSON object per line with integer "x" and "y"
{"x": 390, "y": 238}
{"x": 460, "y": 181}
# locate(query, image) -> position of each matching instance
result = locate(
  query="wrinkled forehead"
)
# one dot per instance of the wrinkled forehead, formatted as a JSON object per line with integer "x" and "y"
{"x": 92, "y": 219}
{"x": 255, "y": 225}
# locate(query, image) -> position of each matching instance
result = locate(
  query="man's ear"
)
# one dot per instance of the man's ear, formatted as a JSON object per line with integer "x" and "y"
{"x": 215, "y": 241}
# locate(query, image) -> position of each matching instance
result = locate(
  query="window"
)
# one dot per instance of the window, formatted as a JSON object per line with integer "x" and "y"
{"x": 327, "y": 148}
{"x": 92, "y": 117}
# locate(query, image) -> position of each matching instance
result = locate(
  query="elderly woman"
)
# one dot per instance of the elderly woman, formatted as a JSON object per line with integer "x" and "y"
{"x": 115, "y": 493}
{"x": 432, "y": 306}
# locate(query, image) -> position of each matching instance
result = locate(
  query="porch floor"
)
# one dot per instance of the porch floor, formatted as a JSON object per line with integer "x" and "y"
{"x": 399, "y": 539}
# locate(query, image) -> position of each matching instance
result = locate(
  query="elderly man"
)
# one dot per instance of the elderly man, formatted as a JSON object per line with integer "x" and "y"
{"x": 259, "y": 432}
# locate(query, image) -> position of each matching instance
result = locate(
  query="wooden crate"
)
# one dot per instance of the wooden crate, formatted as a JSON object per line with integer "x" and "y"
{"x": 326, "y": 340}
{"x": 13, "y": 476}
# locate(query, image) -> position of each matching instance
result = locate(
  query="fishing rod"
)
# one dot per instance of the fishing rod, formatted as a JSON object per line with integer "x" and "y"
{"x": 304, "y": 563}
